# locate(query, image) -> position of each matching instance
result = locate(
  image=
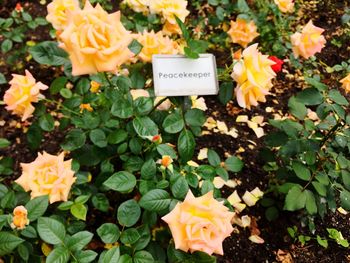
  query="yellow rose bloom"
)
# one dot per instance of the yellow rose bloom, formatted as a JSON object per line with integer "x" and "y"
{"x": 155, "y": 43}
{"x": 24, "y": 90}
{"x": 253, "y": 74}
{"x": 140, "y": 6}
{"x": 285, "y": 6}
{"x": 58, "y": 12}
{"x": 309, "y": 41}
{"x": 95, "y": 40}
{"x": 48, "y": 175}
{"x": 169, "y": 9}
{"x": 346, "y": 83}
{"x": 242, "y": 32}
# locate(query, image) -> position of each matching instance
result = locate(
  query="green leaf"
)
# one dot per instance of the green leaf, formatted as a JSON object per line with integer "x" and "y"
{"x": 297, "y": 108}
{"x": 23, "y": 252}
{"x": 58, "y": 84}
{"x": 135, "y": 47}
{"x": 220, "y": 171}
{"x": 121, "y": 181}
{"x": 164, "y": 149}
{"x": 47, "y": 122}
{"x": 37, "y": 207}
{"x": 128, "y": 213}
{"x": 233, "y": 164}
{"x": 183, "y": 28}
{"x": 155, "y": 200}
{"x": 145, "y": 127}
{"x": 320, "y": 188}
{"x": 125, "y": 259}
{"x": 4, "y": 143}
{"x": 117, "y": 136}
{"x": 79, "y": 240}
{"x": 243, "y": 6}
{"x": 122, "y": 108}
{"x": 29, "y": 232}
{"x": 186, "y": 145}
{"x": 109, "y": 233}
{"x": 315, "y": 83}
{"x": 130, "y": 236}
{"x": 85, "y": 256}
{"x": 2, "y": 79}
{"x": 34, "y": 136}
{"x": 51, "y": 231}
{"x": 311, "y": 206}
{"x": 195, "y": 117}
{"x": 173, "y": 123}
{"x": 226, "y": 92}
{"x": 143, "y": 105}
{"x": 101, "y": 202}
{"x": 213, "y": 158}
{"x": 79, "y": 211}
{"x": 345, "y": 199}
{"x": 295, "y": 199}
{"x": 98, "y": 137}
{"x": 75, "y": 139}
{"x": 111, "y": 256}
{"x": 66, "y": 93}
{"x": 49, "y": 53}
{"x": 180, "y": 187}
{"x": 8, "y": 242}
{"x": 6, "y": 45}
{"x": 310, "y": 96}
{"x": 148, "y": 169}
{"x": 336, "y": 96}
{"x": 58, "y": 255}
{"x": 322, "y": 242}
{"x": 301, "y": 171}
{"x": 143, "y": 257}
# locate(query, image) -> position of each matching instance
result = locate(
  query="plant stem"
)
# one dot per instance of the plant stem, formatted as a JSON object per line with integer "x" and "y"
{"x": 61, "y": 105}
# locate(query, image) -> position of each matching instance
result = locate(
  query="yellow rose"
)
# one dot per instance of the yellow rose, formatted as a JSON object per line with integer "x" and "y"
{"x": 200, "y": 224}
{"x": 58, "y": 12}
{"x": 346, "y": 83}
{"x": 285, "y": 6}
{"x": 140, "y": 6}
{"x": 170, "y": 29}
{"x": 242, "y": 32}
{"x": 48, "y": 175}
{"x": 96, "y": 41}
{"x": 155, "y": 43}
{"x": 253, "y": 74}
{"x": 169, "y": 9}
{"x": 19, "y": 220}
{"x": 309, "y": 41}
{"x": 23, "y": 91}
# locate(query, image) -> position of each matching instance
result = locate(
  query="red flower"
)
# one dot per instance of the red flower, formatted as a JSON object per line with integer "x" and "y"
{"x": 19, "y": 8}
{"x": 278, "y": 66}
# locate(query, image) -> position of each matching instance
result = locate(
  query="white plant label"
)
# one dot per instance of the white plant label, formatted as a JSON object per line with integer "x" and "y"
{"x": 176, "y": 75}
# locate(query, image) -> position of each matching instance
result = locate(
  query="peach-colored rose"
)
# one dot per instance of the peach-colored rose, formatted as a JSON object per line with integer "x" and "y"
{"x": 198, "y": 103}
{"x": 166, "y": 161}
{"x": 23, "y": 91}
{"x": 155, "y": 43}
{"x": 346, "y": 83}
{"x": 165, "y": 105}
{"x": 285, "y": 6}
{"x": 253, "y": 74}
{"x": 170, "y": 29}
{"x": 309, "y": 41}
{"x": 48, "y": 175}
{"x": 95, "y": 40}
{"x": 19, "y": 220}
{"x": 58, "y": 12}
{"x": 85, "y": 106}
{"x": 169, "y": 9}
{"x": 242, "y": 32}
{"x": 200, "y": 224}
{"x": 137, "y": 93}
{"x": 140, "y": 6}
